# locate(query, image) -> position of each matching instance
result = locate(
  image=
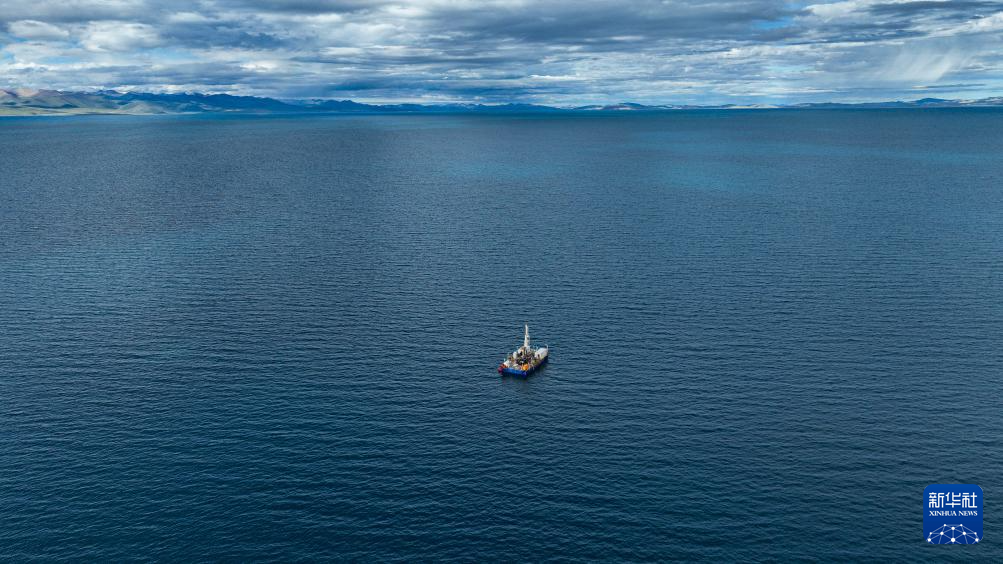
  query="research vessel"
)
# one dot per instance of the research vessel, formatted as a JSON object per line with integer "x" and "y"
{"x": 524, "y": 360}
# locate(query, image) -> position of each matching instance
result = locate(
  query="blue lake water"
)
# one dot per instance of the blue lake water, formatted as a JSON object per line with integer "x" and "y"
{"x": 250, "y": 338}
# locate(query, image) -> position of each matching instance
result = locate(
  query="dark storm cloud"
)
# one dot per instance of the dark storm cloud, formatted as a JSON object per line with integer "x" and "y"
{"x": 506, "y": 50}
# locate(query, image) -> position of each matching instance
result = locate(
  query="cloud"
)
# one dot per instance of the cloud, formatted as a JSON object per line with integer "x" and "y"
{"x": 551, "y": 51}
{"x": 119, "y": 36}
{"x": 66, "y": 11}
{"x": 32, "y": 29}
{"x": 956, "y": 9}
{"x": 302, "y": 6}
{"x": 927, "y": 64}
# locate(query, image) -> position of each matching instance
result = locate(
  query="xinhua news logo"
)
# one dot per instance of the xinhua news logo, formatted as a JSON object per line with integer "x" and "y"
{"x": 952, "y": 514}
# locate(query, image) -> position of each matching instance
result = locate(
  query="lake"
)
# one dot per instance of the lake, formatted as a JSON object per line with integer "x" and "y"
{"x": 275, "y": 338}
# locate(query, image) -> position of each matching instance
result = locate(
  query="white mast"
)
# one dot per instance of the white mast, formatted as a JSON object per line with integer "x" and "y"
{"x": 525, "y": 339}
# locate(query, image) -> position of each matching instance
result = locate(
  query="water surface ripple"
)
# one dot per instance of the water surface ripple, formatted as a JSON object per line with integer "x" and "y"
{"x": 275, "y": 338}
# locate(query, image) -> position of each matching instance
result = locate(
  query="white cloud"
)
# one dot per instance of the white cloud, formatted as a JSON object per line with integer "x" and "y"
{"x": 32, "y": 29}
{"x": 839, "y": 10}
{"x": 923, "y": 64}
{"x": 988, "y": 24}
{"x": 119, "y": 36}
{"x": 187, "y": 18}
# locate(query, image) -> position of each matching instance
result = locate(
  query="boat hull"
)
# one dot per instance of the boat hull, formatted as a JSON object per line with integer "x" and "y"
{"x": 506, "y": 371}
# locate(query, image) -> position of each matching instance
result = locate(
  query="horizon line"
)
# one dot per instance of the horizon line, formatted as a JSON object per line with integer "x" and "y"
{"x": 27, "y": 91}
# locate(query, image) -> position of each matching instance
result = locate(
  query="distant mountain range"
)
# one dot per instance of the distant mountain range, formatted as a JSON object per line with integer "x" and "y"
{"x": 23, "y": 101}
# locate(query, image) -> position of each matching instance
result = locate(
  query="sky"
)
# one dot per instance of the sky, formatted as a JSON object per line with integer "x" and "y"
{"x": 559, "y": 52}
